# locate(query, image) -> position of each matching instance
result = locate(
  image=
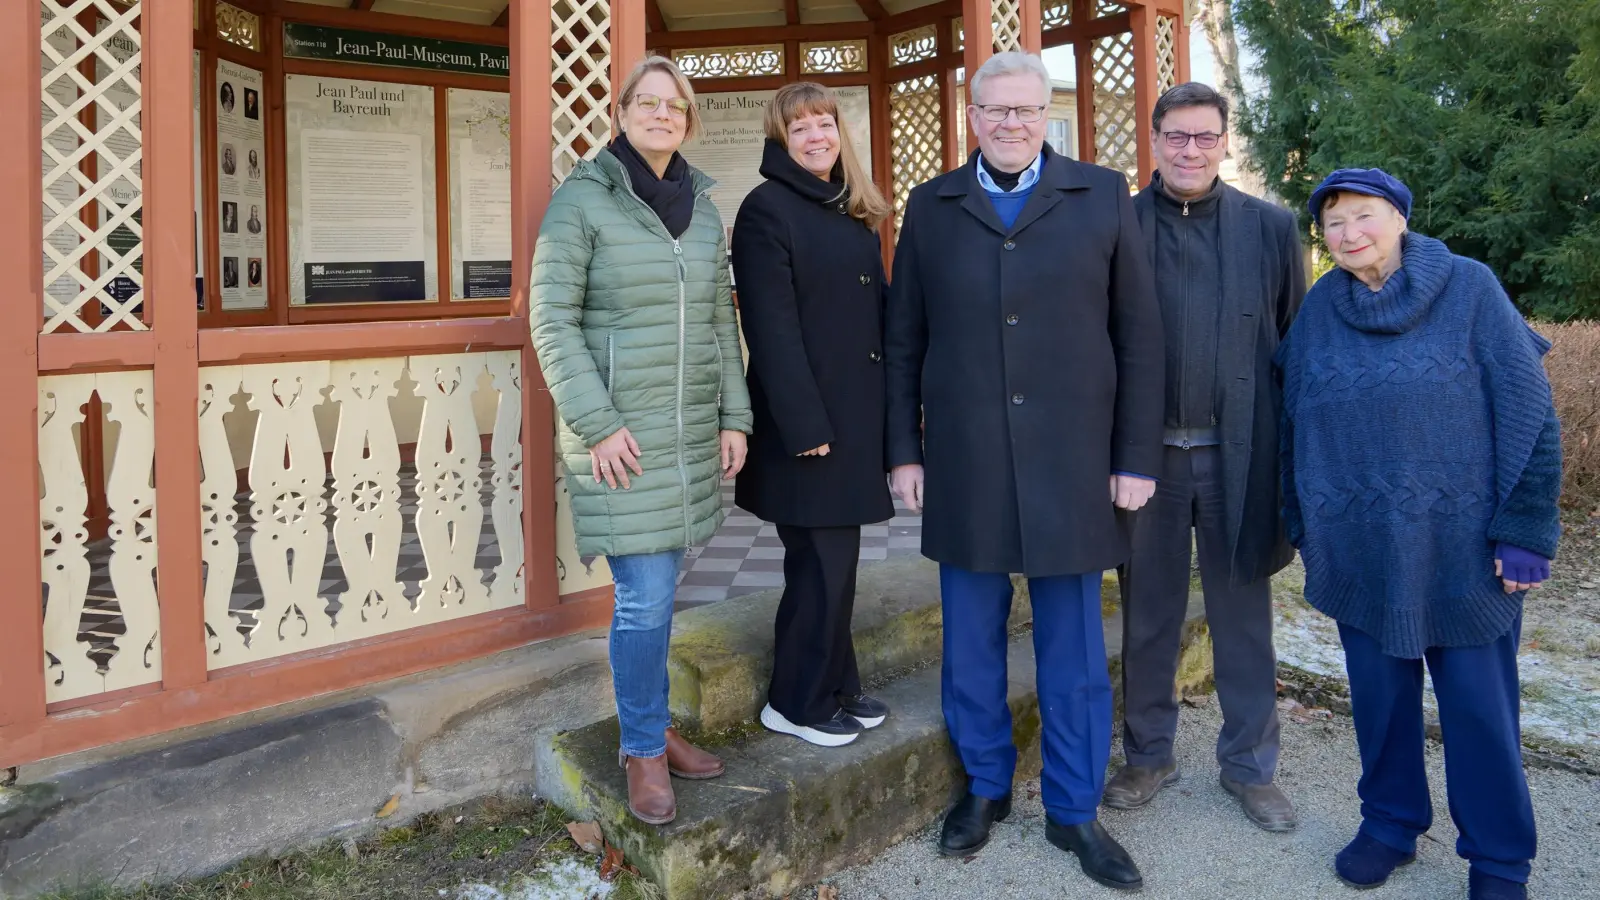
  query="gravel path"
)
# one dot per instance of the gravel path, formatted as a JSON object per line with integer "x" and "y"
{"x": 1192, "y": 843}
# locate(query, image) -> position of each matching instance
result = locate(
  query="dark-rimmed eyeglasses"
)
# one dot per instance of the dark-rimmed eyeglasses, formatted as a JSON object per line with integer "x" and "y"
{"x": 678, "y": 106}
{"x": 1025, "y": 114}
{"x": 1177, "y": 140}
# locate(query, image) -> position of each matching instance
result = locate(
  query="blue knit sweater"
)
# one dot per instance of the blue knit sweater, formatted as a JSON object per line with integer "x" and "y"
{"x": 1418, "y": 431}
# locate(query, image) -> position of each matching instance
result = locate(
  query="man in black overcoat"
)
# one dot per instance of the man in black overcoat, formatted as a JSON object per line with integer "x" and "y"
{"x": 1023, "y": 333}
{"x": 1229, "y": 276}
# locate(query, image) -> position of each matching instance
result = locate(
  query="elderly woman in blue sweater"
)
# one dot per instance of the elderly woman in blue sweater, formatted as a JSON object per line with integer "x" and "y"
{"x": 1421, "y": 468}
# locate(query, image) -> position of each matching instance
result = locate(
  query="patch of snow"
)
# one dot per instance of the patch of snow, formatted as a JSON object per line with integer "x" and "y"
{"x": 569, "y": 879}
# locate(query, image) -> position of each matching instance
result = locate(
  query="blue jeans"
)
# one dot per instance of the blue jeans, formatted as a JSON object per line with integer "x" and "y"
{"x": 641, "y": 626}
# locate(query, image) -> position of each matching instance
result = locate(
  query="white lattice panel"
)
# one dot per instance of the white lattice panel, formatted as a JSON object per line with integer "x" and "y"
{"x": 101, "y": 614}
{"x": 92, "y": 151}
{"x": 1007, "y": 25}
{"x": 1116, "y": 117}
{"x": 916, "y": 138}
{"x": 580, "y": 81}
{"x": 914, "y": 45}
{"x": 334, "y": 547}
{"x": 1166, "y": 54}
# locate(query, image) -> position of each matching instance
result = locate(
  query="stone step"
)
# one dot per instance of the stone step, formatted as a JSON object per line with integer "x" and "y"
{"x": 788, "y": 814}
{"x": 721, "y": 656}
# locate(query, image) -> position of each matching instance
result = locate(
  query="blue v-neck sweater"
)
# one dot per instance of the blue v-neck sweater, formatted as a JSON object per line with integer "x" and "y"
{"x": 1418, "y": 432}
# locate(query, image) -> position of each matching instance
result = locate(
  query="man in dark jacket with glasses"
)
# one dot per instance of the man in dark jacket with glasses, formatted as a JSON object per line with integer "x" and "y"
{"x": 1229, "y": 275}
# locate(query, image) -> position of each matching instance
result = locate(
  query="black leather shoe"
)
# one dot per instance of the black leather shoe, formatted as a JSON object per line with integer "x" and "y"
{"x": 1101, "y": 857}
{"x": 966, "y": 827}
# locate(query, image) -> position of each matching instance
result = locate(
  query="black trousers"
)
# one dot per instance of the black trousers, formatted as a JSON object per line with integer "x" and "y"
{"x": 813, "y": 657}
{"x": 1155, "y": 598}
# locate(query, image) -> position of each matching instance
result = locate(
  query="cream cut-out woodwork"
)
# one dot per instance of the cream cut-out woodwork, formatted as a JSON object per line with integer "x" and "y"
{"x": 730, "y": 62}
{"x": 580, "y": 82}
{"x": 87, "y": 653}
{"x": 916, "y": 141}
{"x": 238, "y": 26}
{"x": 92, "y": 152}
{"x": 331, "y": 507}
{"x": 914, "y": 45}
{"x": 1056, "y": 14}
{"x": 833, "y": 56}
{"x": 1007, "y": 25}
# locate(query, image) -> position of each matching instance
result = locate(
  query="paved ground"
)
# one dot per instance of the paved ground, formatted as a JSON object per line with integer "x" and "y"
{"x": 1193, "y": 844}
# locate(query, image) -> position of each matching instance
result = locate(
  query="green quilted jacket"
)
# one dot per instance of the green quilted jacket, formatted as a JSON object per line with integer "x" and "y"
{"x": 633, "y": 328}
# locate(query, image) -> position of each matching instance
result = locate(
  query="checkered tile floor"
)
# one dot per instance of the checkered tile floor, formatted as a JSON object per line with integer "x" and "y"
{"x": 746, "y": 557}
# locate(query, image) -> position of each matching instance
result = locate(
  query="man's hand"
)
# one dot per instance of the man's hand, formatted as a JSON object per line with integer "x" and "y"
{"x": 613, "y": 457}
{"x": 907, "y": 483}
{"x": 818, "y": 451}
{"x": 1131, "y": 493}
{"x": 734, "y": 448}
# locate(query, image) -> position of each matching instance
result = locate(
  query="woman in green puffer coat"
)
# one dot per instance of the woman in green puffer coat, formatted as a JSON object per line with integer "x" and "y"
{"x": 634, "y": 326}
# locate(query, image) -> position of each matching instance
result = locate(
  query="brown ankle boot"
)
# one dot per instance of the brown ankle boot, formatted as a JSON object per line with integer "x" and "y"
{"x": 650, "y": 796}
{"x": 685, "y": 760}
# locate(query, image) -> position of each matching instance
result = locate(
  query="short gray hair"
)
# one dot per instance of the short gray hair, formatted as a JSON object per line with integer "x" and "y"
{"x": 1192, "y": 93}
{"x": 1011, "y": 62}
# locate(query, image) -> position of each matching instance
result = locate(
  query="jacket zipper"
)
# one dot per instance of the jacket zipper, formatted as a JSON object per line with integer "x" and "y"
{"x": 683, "y": 325}
{"x": 611, "y": 363}
{"x": 1183, "y": 368}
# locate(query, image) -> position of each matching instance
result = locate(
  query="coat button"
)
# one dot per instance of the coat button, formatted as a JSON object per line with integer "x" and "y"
{"x": 844, "y": 209}
{"x": 1011, "y": 245}
{"x": 865, "y": 278}
{"x": 875, "y": 356}
{"x": 1012, "y": 319}
{"x": 1016, "y": 399}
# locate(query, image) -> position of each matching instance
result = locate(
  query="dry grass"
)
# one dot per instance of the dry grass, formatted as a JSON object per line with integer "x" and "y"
{"x": 1574, "y": 367}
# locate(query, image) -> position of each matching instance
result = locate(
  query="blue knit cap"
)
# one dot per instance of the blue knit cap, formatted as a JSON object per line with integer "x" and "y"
{"x": 1372, "y": 182}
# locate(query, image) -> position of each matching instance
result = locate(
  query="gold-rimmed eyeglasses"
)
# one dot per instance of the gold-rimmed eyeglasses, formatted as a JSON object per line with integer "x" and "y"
{"x": 678, "y": 106}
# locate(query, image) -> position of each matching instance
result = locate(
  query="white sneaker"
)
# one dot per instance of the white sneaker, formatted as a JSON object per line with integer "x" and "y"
{"x": 836, "y": 732}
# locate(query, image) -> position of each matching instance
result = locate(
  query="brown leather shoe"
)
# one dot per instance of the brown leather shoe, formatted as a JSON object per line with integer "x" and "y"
{"x": 650, "y": 796}
{"x": 685, "y": 760}
{"x": 1264, "y": 804}
{"x": 1136, "y": 786}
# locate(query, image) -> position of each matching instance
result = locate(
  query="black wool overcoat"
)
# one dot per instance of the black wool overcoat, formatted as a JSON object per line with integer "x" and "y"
{"x": 811, "y": 292}
{"x": 1033, "y": 356}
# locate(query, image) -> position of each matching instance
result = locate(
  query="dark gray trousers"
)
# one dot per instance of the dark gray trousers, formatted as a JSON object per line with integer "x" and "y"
{"x": 1155, "y": 597}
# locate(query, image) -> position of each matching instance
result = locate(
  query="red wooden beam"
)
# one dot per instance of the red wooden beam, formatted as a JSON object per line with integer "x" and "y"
{"x": 362, "y": 4}
{"x": 791, "y": 10}
{"x": 772, "y": 34}
{"x": 653, "y": 18}
{"x": 504, "y": 19}
{"x": 872, "y": 9}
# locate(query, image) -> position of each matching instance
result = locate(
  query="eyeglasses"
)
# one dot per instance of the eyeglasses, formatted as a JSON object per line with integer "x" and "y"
{"x": 678, "y": 106}
{"x": 1205, "y": 140}
{"x": 1025, "y": 114}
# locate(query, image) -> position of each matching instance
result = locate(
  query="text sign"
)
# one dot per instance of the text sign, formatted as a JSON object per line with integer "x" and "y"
{"x": 345, "y": 45}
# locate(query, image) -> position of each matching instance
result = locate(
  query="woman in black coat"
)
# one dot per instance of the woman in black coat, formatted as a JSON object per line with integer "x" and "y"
{"x": 810, "y": 278}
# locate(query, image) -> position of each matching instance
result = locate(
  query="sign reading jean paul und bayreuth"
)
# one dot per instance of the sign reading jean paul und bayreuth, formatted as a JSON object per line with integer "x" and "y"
{"x": 374, "y": 49}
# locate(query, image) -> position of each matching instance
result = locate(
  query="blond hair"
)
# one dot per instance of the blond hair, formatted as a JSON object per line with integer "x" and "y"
{"x": 630, "y": 87}
{"x": 806, "y": 98}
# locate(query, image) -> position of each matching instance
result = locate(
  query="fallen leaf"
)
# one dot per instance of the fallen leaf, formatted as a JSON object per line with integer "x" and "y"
{"x": 611, "y": 866}
{"x": 827, "y": 892}
{"x": 460, "y": 819}
{"x": 587, "y": 836}
{"x": 389, "y": 808}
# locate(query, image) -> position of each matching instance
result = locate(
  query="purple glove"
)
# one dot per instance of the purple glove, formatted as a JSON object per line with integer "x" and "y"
{"x": 1521, "y": 566}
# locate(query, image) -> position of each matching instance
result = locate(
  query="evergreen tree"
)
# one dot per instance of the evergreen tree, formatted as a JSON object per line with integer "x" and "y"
{"x": 1488, "y": 109}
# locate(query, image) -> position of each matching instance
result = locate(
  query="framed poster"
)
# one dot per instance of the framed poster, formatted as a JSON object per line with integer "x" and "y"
{"x": 480, "y": 194}
{"x": 362, "y": 191}
{"x": 241, "y": 187}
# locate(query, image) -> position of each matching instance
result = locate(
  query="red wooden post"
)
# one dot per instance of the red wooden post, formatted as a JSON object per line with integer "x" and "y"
{"x": 167, "y": 33}
{"x": 1145, "y": 67}
{"x": 1182, "y": 49}
{"x": 628, "y": 23}
{"x": 953, "y": 113}
{"x": 1083, "y": 58}
{"x": 1032, "y": 27}
{"x": 977, "y": 20}
{"x": 21, "y": 306}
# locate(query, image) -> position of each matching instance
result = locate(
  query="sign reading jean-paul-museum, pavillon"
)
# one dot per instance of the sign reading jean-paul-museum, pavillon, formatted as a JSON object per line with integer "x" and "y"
{"x": 361, "y": 187}
{"x": 375, "y": 49}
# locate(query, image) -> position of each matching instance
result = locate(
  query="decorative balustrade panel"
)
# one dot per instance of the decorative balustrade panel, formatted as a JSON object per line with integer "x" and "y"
{"x": 916, "y": 138}
{"x": 379, "y": 495}
{"x": 238, "y": 26}
{"x": 1116, "y": 117}
{"x": 580, "y": 82}
{"x": 100, "y": 611}
{"x": 1104, "y": 8}
{"x": 730, "y": 62}
{"x": 1056, "y": 13}
{"x": 833, "y": 57}
{"x": 1166, "y": 54}
{"x": 92, "y": 148}
{"x": 914, "y": 45}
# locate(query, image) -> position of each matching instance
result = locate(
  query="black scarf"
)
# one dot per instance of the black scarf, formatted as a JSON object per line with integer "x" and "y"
{"x": 671, "y": 196}
{"x": 778, "y": 165}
